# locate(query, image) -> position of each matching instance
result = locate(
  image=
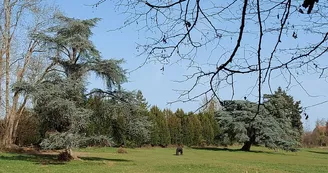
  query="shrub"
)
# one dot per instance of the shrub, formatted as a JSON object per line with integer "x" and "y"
{"x": 28, "y": 130}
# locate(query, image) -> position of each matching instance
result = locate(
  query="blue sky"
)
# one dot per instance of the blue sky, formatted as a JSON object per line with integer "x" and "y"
{"x": 157, "y": 86}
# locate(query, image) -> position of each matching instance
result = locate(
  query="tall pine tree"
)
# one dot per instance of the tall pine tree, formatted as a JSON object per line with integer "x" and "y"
{"x": 59, "y": 99}
{"x": 281, "y": 105}
{"x": 160, "y": 134}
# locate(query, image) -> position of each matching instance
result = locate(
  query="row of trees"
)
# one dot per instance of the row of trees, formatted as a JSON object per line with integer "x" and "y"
{"x": 276, "y": 125}
{"x": 120, "y": 123}
{"x": 182, "y": 128}
{"x": 134, "y": 125}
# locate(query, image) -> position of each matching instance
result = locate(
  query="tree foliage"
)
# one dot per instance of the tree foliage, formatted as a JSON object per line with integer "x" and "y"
{"x": 174, "y": 125}
{"x": 207, "y": 130}
{"x": 56, "y": 102}
{"x": 241, "y": 122}
{"x": 159, "y": 134}
{"x": 126, "y": 119}
{"x": 59, "y": 100}
{"x": 197, "y": 130}
{"x": 281, "y": 105}
{"x": 73, "y": 50}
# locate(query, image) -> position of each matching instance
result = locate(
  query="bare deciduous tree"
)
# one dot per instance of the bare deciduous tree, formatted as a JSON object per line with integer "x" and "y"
{"x": 17, "y": 51}
{"x": 236, "y": 39}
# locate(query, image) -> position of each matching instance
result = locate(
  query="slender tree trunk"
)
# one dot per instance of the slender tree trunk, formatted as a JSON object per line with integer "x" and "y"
{"x": 19, "y": 115}
{"x": 16, "y": 113}
{"x": 9, "y": 120}
{"x": 15, "y": 118}
{"x": 8, "y": 47}
{"x": 1, "y": 80}
{"x": 1, "y": 74}
{"x": 2, "y": 53}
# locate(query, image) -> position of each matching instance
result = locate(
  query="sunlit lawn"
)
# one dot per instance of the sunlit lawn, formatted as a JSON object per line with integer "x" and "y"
{"x": 163, "y": 160}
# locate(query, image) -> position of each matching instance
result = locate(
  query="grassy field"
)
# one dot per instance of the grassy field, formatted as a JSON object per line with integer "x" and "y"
{"x": 94, "y": 160}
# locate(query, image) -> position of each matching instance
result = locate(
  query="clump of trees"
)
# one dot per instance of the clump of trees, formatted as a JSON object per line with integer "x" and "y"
{"x": 318, "y": 137}
{"x": 59, "y": 98}
{"x": 139, "y": 124}
{"x": 126, "y": 120}
{"x": 190, "y": 129}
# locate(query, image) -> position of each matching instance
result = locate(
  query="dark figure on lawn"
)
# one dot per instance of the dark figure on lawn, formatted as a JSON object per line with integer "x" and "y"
{"x": 179, "y": 150}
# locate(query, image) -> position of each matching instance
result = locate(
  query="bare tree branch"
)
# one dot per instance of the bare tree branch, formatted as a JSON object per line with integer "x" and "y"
{"x": 278, "y": 42}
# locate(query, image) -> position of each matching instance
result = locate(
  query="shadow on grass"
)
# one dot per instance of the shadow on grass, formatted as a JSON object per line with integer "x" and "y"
{"x": 103, "y": 159}
{"x": 50, "y": 159}
{"x": 43, "y": 159}
{"x": 215, "y": 149}
{"x": 177, "y": 155}
{"x": 318, "y": 152}
{"x": 233, "y": 150}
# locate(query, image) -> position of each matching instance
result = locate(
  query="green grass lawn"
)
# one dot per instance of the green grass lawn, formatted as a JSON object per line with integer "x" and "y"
{"x": 94, "y": 160}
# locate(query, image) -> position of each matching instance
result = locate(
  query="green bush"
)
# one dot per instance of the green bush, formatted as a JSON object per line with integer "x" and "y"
{"x": 28, "y": 130}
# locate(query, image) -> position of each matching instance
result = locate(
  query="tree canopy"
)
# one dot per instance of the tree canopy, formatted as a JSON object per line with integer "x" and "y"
{"x": 275, "y": 125}
{"x": 59, "y": 99}
{"x": 221, "y": 42}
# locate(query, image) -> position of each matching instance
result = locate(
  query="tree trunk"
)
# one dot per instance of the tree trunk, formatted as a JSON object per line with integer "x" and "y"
{"x": 67, "y": 155}
{"x": 10, "y": 125}
{"x": 247, "y": 146}
{"x": 19, "y": 116}
{"x": 1, "y": 74}
{"x": 8, "y": 132}
{"x": 13, "y": 118}
{"x": 9, "y": 122}
{"x": 13, "y": 115}
{"x": 16, "y": 113}
{"x": 8, "y": 47}
{"x": 71, "y": 153}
